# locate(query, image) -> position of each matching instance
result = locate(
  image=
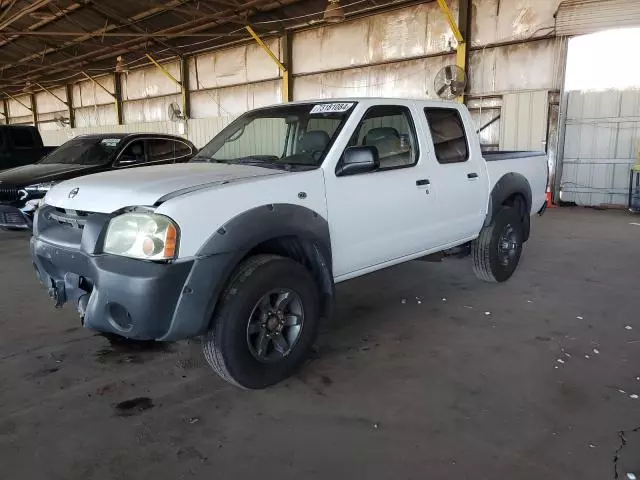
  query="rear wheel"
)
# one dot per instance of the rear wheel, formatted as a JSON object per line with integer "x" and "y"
{"x": 265, "y": 323}
{"x": 496, "y": 252}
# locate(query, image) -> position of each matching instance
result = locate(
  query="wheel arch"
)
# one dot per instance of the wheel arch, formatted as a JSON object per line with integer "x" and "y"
{"x": 287, "y": 230}
{"x": 512, "y": 190}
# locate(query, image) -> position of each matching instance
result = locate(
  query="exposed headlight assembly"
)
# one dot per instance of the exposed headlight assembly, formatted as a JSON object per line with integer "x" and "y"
{"x": 146, "y": 236}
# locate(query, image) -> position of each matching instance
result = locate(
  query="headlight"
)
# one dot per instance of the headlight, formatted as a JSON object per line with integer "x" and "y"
{"x": 146, "y": 236}
{"x": 40, "y": 187}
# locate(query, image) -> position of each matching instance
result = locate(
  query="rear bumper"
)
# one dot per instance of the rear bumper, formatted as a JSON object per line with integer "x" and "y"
{"x": 13, "y": 217}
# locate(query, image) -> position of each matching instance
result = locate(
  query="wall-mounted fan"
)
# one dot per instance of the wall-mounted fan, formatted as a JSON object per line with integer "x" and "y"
{"x": 450, "y": 82}
{"x": 61, "y": 120}
{"x": 174, "y": 112}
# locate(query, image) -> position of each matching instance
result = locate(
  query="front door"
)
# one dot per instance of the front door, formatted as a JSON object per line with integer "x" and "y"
{"x": 383, "y": 215}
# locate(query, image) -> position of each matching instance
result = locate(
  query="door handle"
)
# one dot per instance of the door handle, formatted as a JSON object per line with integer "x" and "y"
{"x": 422, "y": 183}
{"x": 472, "y": 175}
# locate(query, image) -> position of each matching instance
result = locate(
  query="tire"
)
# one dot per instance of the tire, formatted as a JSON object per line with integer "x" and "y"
{"x": 229, "y": 344}
{"x": 490, "y": 262}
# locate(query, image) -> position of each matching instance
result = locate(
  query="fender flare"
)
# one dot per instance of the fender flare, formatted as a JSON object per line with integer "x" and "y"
{"x": 229, "y": 244}
{"x": 508, "y": 185}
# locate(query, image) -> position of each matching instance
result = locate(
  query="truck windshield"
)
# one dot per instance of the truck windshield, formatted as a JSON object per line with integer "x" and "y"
{"x": 84, "y": 151}
{"x": 279, "y": 137}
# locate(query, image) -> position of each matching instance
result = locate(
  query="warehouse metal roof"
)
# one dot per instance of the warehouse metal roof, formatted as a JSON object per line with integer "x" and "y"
{"x": 51, "y": 42}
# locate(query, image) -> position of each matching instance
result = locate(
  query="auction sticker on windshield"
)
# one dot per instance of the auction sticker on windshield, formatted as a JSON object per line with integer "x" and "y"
{"x": 110, "y": 142}
{"x": 331, "y": 107}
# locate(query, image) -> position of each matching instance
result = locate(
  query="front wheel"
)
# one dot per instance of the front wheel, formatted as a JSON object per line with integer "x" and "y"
{"x": 496, "y": 252}
{"x": 265, "y": 323}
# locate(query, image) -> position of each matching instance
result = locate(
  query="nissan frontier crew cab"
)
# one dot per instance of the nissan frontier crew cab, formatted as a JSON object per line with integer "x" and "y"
{"x": 243, "y": 245}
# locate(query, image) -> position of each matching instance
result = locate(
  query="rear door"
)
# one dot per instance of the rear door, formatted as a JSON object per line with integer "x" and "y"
{"x": 460, "y": 178}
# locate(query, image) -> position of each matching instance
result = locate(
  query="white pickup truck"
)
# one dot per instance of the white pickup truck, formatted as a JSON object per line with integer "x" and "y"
{"x": 243, "y": 245}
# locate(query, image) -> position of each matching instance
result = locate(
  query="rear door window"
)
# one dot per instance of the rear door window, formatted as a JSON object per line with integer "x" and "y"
{"x": 161, "y": 149}
{"x": 449, "y": 138}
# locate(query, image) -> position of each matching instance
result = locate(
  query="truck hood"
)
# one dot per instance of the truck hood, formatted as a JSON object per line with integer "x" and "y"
{"x": 110, "y": 191}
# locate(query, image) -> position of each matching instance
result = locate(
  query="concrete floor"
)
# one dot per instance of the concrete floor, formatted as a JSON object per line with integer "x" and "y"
{"x": 424, "y": 372}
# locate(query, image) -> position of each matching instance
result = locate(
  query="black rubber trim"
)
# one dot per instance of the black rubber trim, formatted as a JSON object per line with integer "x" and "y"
{"x": 510, "y": 155}
{"x": 510, "y": 184}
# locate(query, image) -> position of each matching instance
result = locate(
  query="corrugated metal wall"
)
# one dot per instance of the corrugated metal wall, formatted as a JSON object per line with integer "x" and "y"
{"x": 524, "y": 121}
{"x": 576, "y": 17}
{"x": 600, "y": 145}
{"x": 391, "y": 54}
{"x": 199, "y": 131}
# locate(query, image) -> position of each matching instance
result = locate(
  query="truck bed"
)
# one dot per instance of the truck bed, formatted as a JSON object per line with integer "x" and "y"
{"x": 531, "y": 165}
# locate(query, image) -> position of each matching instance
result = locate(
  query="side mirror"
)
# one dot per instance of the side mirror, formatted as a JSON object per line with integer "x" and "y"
{"x": 358, "y": 160}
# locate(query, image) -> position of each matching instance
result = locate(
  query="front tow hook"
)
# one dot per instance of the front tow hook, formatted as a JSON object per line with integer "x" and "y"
{"x": 57, "y": 294}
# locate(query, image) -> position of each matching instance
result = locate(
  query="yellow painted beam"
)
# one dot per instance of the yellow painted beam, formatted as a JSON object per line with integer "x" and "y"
{"x": 164, "y": 70}
{"x": 461, "y": 54}
{"x": 265, "y": 48}
{"x": 452, "y": 21}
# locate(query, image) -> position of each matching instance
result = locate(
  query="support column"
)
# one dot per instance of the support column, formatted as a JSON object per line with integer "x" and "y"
{"x": 117, "y": 95}
{"x": 287, "y": 78}
{"x": 72, "y": 112}
{"x": 34, "y": 109}
{"x": 464, "y": 25}
{"x": 184, "y": 86}
{"x": 5, "y": 109}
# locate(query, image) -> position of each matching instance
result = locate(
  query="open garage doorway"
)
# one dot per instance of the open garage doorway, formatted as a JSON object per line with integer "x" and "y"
{"x": 601, "y": 112}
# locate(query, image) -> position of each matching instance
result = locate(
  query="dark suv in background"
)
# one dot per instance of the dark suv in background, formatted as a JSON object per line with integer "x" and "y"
{"x": 20, "y": 145}
{"x": 22, "y": 189}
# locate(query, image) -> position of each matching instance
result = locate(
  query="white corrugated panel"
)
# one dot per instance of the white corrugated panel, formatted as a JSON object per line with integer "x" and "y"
{"x": 150, "y": 82}
{"x": 17, "y": 106}
{"x": 527, "y": 66}
{"x": 496, "y": 21}
{"x": 87, "y": 93}
{"x": 199, "y": 131}
{"x": 412, "y": 78}
{"x": 202, "y": 130}
{"x": 401, "y": 34}
{"x": 524, "y": 121}
{"x": 148, "y": 109}
{"x": 576, "y": 17}
{"x": 232, "y": 101}
{"x": 48, "y": 103}
{"x": 233, "y": 66}
{"x": 601, "y": 139}
{"x": 99, "y": 115}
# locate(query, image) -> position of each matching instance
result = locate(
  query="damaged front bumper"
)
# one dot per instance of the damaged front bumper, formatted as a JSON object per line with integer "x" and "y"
{"x": 133, "y": 298}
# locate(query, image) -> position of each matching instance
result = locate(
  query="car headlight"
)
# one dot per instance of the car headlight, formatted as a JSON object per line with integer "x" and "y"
{"x": 39, "y": 187}
{"x": 147, "y": 236}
